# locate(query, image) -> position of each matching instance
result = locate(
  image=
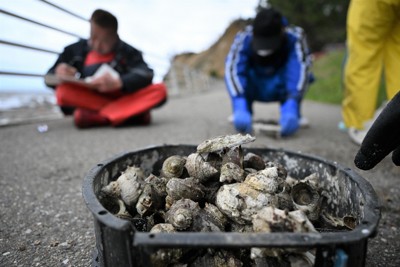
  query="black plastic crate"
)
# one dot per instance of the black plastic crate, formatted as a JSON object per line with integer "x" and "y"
{"x": 118, "y": 243}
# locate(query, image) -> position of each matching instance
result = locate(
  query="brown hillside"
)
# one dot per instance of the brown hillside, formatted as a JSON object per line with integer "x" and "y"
{"x": 211, "y": 61}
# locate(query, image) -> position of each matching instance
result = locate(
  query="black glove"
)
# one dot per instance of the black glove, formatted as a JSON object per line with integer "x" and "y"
{"x": 382, "y": 138}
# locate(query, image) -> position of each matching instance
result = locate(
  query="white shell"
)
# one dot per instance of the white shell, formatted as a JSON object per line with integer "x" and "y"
{"x": 131, "y": 184}
{"x": 240, "y": 202}
{"x": 163, "y": 228}
{"x": 270, "y": 220}
{"x": 112, "y": 189}
{"x": 225, "y": 141}
{"x": 266, "y": 180}
{"x": 198, "y": 168}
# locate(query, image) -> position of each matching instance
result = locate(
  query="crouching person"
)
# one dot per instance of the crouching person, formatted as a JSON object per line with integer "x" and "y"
{"x": 268, "y": 62}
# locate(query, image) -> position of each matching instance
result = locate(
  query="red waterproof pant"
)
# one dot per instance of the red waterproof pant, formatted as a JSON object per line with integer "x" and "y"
{"x": 117, "y": 107}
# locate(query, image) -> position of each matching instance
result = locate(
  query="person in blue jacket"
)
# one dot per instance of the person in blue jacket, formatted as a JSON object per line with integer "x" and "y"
{"x": 268, "y": 61}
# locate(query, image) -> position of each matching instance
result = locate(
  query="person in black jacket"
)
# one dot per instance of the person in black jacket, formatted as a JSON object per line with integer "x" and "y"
{"x": 103, "y": 80}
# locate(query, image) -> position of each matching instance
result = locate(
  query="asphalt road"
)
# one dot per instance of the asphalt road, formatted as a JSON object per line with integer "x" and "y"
{"x": 44, "y": 221}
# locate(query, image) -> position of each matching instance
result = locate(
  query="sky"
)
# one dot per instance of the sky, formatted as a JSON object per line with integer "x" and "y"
{"x": 159, "y": 28}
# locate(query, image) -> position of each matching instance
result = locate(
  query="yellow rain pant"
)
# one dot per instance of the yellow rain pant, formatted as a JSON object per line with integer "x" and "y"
{"x": 373, "y": 43}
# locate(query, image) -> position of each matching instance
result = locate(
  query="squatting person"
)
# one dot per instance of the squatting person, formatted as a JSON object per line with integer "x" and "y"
{"x": 268, "y": 61}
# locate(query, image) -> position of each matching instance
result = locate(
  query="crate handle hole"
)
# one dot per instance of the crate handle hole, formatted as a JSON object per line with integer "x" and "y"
{"x": 152, "y": 235}
{"x": 102, "y": 212}
{"x": 100, "y": 165}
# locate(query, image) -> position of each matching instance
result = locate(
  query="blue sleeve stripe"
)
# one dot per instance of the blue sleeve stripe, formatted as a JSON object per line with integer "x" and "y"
{"x": 231, "y": 72}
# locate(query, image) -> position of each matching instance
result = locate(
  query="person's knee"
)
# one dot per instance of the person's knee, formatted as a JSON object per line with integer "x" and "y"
{"x": 62, "y": 92}
{"x": 161, "y": 90}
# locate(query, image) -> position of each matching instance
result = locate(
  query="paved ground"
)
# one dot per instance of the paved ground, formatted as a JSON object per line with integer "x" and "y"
{"x": 44, "y": 221}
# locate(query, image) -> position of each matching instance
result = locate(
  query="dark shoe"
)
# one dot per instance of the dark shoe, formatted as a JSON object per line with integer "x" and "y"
{"x": 85, "y": 118}
{"x": 141, "y": 120}
{"x": 67, "y": 111}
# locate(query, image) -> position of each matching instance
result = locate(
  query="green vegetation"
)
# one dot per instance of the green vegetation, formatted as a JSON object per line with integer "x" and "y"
{"x": 328, "y": 87}
{"x": 324, "y": 22}
{"x": 327, "y": 70}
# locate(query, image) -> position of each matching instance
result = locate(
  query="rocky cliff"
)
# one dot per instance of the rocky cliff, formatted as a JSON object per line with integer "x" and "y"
{"x": 209, "y": 62}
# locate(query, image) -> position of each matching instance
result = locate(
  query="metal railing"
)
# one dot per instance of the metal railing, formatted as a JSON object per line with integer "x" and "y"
{"x": 39, "y": 49}
{"x": 181, "y": 78}
{"x": 64, "y": 10}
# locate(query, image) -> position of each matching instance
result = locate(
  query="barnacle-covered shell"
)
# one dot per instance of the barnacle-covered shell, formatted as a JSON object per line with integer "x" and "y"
{"x": 266, "y": 180}
{"x": 239, "y": 201}
{"x": 240, "y": 228}
{"x": 291, "y": 181}
{"x": 185, "y": 188}
{"x": 209, "y": 219}
{"x": 282, "y": 172}
{"x": 215, "y": 215}
{"x": 253, "y": 161}
{"x": 271, "y": 220}
{"x": 173, "y": 166}
{"x": 247, "y": 171}
{"x": 234, "y": 155}
{"x": 285, "y": 201}
{"x": 182, "y": 213}
{"x": 313, "y": 180}
{"x": 302, "y": 223}
{"x": 222, "y": 142}
{"x": 198, "y": 168}
{"x": 307, "y": 199}
{"x": 231, "y": 172}
{"x": 159, "y": 184}
{"x": 330, "y": 221}
{"x": 136, "y": 171}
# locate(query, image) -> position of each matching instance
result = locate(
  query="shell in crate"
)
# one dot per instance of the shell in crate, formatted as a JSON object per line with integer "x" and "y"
{"x": 338, "y": 205}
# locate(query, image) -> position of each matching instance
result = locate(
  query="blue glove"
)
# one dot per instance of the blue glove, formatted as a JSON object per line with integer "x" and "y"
{"x": 241, "y": 115}
{"x": 289, "y": 117}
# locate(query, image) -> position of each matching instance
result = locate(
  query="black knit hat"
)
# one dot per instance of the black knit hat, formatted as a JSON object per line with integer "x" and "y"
{"x": 267, "y": 30}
